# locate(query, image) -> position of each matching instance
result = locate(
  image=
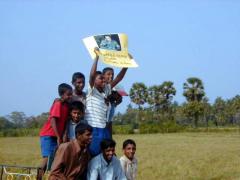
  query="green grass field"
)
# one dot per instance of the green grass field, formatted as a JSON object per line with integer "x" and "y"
{"x": 161, "y": 156}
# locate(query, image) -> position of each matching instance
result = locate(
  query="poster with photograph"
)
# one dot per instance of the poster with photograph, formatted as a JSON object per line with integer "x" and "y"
{"x": 113, "y": 49}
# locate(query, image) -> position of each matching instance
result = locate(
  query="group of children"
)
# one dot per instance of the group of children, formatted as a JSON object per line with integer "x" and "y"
{"x": 75, "y": 114}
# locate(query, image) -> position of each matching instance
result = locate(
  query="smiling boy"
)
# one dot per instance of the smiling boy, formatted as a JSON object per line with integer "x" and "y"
{"x": 106, "y": 166}
{"x": 128, "y": 160}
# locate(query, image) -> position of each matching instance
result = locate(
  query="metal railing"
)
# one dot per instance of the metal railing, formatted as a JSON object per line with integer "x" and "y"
{"x": 12, "y": 172}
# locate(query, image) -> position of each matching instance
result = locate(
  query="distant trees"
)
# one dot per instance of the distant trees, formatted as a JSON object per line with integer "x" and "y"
{"x": 194, "y": 94}
{"x": 20, "y": 120}
{"x": 155, "y": 110}
{"x": 155, "y": 105}
{"x": 17, "y": 118}
{"x": 138, "y": 94}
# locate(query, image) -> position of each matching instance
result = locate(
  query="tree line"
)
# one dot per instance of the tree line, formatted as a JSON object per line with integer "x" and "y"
{"x": 154, "y": 107}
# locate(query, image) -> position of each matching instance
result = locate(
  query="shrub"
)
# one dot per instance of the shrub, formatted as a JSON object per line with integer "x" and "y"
{"x": 122, "y": 129}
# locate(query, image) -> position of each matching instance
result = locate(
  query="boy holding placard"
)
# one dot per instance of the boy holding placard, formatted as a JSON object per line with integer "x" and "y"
{"x": 97, "y": 103}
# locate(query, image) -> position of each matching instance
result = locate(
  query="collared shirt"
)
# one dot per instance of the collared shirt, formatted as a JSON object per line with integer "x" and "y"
{"x": 96, "y": 107}
{"x": 81, "y": 98}
{"x": 69, "y": 162}
{"x": 129, "y": 167}
{"x": 99, "y": 169}
{"x": 71, "y": 129}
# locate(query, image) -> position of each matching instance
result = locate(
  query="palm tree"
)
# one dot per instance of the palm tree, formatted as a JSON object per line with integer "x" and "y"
{"x": 193, "y": 89}
{"x": 160, "y": 97}
{"x": 194, "y": 93}
{"x": 138, "y": 94}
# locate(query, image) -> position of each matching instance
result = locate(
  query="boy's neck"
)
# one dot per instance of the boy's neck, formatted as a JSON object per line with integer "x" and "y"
{"x": 62, "y": 100}
{"x": 99, "y": 89}
{"x": 130, "y": 159}
{"x": 75, "y": 121}
{"x": 78, "y": 92}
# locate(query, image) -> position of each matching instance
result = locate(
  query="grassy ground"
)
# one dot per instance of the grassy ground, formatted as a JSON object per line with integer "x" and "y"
{"x": 161, "y": 156}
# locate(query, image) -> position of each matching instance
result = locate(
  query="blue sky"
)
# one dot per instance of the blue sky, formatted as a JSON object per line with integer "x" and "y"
{"x": 41, "y": 46}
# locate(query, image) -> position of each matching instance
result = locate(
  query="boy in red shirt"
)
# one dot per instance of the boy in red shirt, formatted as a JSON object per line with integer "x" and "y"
{"x": 53, "y": 131}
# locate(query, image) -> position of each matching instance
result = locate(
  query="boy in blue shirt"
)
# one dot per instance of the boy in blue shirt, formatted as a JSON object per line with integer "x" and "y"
{"x": 76, "y": 114}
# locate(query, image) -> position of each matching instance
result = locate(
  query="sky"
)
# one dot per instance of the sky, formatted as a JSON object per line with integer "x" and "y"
{"x": 41, "y": 46}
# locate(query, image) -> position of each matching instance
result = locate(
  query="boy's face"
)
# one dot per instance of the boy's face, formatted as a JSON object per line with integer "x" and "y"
{"x": 76, "y": 115}
{"x": 108, "y": 153}
{"x": 129, "y": 151}
{"x": 99, "y": 81}
{"x": 67, "y": 95}
{"x": 108, "y": 38}
{"x": 79, "y": 84}
{"x": 108, "y": 76}
{"x": 85, "y": 138}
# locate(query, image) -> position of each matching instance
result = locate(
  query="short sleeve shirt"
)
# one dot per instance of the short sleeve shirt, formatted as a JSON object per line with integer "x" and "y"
{"x": 59, "y": 110}
{"x": 96, "y": 107}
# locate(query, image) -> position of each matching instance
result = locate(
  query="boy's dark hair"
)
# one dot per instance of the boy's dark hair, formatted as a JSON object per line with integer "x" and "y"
{"x": 77, "y": 75}
{"x": 127, "y": 142}
{"x": 62, "y": 88}
{"x": 81, "y": 128}
{"x": 106, "y": 143}
{"x": 107, "y": 69}
{"x": 77, "y": 105}
{"x": 97, "y": 73}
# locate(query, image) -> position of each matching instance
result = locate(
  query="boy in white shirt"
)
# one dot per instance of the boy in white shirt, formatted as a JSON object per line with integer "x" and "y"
{"x": 128, "y": 160}
{"x": 97, "y": 105}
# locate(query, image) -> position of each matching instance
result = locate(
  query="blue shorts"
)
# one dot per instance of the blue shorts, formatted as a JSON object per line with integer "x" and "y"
{"x": 98, "y": 134}
{"x": 48, "y": 145}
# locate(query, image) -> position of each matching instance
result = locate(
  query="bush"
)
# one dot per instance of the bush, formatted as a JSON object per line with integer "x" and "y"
{"x": 165, "y": 127}
{"x": 213, "y": 129}
{"x": 122, "y": 129}
{"x": 19, "y": 132}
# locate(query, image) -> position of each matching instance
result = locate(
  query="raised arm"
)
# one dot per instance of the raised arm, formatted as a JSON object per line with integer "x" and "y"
{"x": 120, "y": 75}
{"x": 94, "y": 68}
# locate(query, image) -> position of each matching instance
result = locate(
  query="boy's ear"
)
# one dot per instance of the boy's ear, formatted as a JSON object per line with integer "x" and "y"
{"x": 77, "y": 135}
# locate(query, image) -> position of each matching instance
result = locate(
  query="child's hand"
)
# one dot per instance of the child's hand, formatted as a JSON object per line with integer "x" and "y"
{"x": 96, "y": 50}
{"x": 65, "y": 138}
{"x": 59, "y": 141}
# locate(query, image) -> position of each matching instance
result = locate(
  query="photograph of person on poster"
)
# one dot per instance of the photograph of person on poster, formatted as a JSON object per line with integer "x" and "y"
{"x": 109, "y": 42}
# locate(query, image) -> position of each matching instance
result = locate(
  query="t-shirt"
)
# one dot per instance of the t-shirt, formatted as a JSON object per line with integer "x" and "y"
{"x": 60, "y": 111}
{"x": 96, "y": 108}
{"x": 71, "y": 129}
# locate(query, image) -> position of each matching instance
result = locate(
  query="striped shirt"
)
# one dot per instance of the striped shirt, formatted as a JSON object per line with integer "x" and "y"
{"x": 96, "y": 108}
